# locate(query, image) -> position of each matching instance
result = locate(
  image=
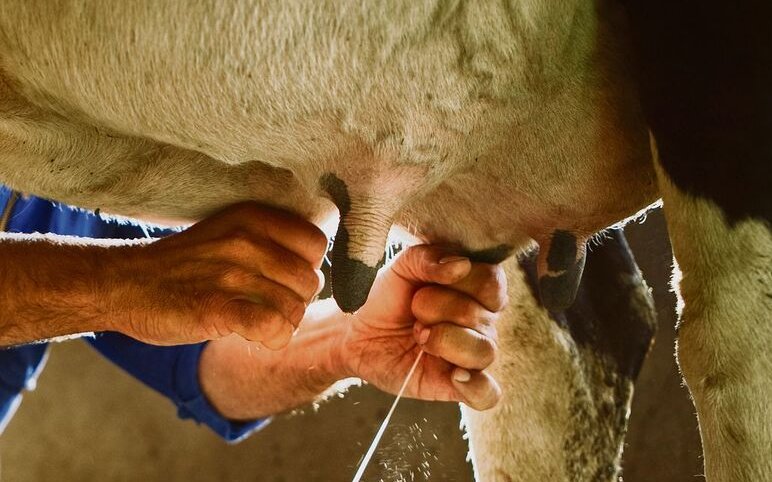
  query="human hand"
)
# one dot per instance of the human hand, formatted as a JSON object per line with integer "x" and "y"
{"x": 249, "y": 270}
{"x": 446, "y": 305}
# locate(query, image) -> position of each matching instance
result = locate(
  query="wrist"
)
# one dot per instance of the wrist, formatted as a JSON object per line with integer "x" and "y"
{"x": 107, "y": 291}
{"x": 333, "y": 365}
{"x": 48, "y": 289}
{"x": 121, "y": 285}
{"x": 244, "y": 382}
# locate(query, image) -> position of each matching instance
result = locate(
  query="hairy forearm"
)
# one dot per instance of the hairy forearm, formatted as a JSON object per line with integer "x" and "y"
{"x": 50, "y": 286}
{"x": 244, "y": 381}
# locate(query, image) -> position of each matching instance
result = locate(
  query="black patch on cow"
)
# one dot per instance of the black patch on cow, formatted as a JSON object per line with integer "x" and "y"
{"x": 338, "y": 191}
{"x": 557, "y": 292}
{"x": 611, "y": 323}
{"x": 614, "y": 310}
{"x": 706, "y": 85}
{"x": 351, "y": 278}
{"x": 562, "y": 252}
{"x": 613, "y": 313}
{"x": 527, "y": 261}
{"x": 493, "y": 255}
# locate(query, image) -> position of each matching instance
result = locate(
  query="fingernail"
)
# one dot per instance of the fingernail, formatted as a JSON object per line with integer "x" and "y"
{"x": 320, "y": 287}
{"x": 423, "y": 336}
{"x": 452, "y": 259}
{"x": 461, "y": 375}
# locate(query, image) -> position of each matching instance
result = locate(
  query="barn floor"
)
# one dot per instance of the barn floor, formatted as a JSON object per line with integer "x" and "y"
{"x": 88, "y": 421}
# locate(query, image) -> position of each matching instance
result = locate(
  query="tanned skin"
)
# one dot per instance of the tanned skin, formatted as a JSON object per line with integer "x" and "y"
{"x": 244, "y": 280}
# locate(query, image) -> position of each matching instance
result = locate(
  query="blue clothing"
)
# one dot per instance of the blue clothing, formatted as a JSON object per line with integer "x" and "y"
{"x": 172, "y": 371}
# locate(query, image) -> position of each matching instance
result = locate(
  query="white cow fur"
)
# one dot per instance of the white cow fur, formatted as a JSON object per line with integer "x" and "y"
{"x": 723, "y": 278}
{"x": 558, "y": 419}
{"x": 482, "y": 123}
{"x": 401, "y": 102}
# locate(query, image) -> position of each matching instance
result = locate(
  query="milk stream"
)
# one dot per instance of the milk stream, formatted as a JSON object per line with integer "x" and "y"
{"x": 366, "y": 460}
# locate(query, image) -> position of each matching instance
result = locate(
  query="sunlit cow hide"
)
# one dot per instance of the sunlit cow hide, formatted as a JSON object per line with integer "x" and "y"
{"x": 493, "y": 125}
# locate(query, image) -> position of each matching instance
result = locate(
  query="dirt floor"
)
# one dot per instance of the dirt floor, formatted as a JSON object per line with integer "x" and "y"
{"x": 88, "y": 421}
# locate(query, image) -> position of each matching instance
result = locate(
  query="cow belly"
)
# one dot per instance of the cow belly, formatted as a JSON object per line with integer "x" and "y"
{"x": 296, "y": 83}
{"x": 409, "y": 93}
{"x": 522, "y": 119}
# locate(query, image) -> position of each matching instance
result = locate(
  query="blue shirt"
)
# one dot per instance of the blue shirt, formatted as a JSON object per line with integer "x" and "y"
{"x": 172, "y": 370}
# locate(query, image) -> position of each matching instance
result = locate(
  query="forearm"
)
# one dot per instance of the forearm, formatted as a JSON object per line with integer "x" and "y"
{"x": 49, "y": 287}
{"x": 244, "y": 381}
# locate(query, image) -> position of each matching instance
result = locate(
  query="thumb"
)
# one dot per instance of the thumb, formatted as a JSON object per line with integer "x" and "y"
{"x": 431, "y": 264}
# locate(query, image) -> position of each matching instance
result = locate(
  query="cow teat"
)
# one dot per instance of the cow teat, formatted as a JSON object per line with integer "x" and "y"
{"x": 359, "y": 248}
{"x": 560, "y": 266}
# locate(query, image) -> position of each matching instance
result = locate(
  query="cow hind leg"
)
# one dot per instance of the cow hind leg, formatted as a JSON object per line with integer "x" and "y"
{"x": 567, "y": 378}
{"x": 725, "y": 331}
{"x": 705, "y": 77}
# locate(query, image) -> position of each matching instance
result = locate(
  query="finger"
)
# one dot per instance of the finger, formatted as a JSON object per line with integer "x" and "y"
{"x": 273, "y": 262}
{"x": 477, "y": 389}
{"x": 286, "y": 229}
{"x": 321, "y": 281}
{"x": 255, "y": 288}
{"x": 486, "y": 283}
{"x": 458, "y": 345}
{"x": 436, "y": 304}
{"x": 257, "y": 322}
{"x": 431, "y": 264}
{"x": 279, "y": 338}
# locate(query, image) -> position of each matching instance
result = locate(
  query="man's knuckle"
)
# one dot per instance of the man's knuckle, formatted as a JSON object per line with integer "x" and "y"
{"x": 423, "y": 300}
{"x": 404, "y": 264}
{"x": 426, "y": 259}
{"x": 468, "y": 311}
{"x": 258, "y": 321}
{"x": 300, "y": 272}
{"x": 236, "y": 315}
{"x": 309, "y": 281}
{"x": 286, "y": 305}
{"x": 487, "y": 321}
{"x": 317, "y": 241}
{"x": 487, "y": 353}
{"x": 489, "y": 287}
{"x": 417, "y": 250}
{"x": 272, "y": 316}
{"x": 440, "y": 338}
{"x": 240, "y": 240}
{"x": 213, "y": 313}
{"x": 234, "y": 278}
{"x": 234, "y": 246}
{"x": 250, "y": 313}
{"x": 209, "y": 303}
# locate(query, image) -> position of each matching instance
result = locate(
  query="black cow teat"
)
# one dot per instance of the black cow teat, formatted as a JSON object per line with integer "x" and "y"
{"x": 560, "y": 270}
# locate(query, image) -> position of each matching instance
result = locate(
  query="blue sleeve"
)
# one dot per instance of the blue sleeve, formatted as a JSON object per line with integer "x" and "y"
{"x": 173, "y": 372}
{"x": 19, "y": 369}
